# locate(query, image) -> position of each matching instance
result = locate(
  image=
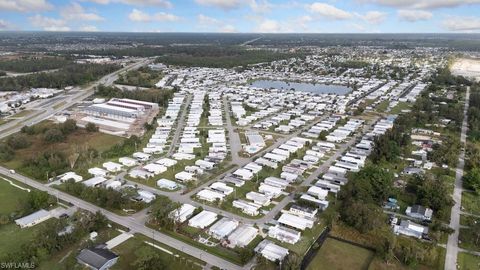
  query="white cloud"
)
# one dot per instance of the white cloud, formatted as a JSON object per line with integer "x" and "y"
{"x": 24, "y": 5}
{"x": 157, "y": 3}
{"x": 374, "y": 17}
{"x": 228, "y": 29}
{"x": 76, "y": 12}
{"x": 329, "y": 11}
{"x": 423, "y": 4}
{"x": 257, "y": 6}
{"x": 4, "y": 25}
{"x": 89, "y": 28}
{"x": 260, "y": 6}
{"x": 140, "y": 16}
{"x": 48, "y": 24}
{"x": 223, "y": 4}
{"x": 268, "y": 26}
{"x": 411, "y": 15}
{"x": 206, "y": 20}
{"x": 462, "y": 24}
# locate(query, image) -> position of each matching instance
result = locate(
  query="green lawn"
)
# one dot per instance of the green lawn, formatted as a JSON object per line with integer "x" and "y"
{"x": 399, "y": 107}
{"x": 471, "y": 202}
{"x": 10, "y": 197}
{"x": 382, "y": 106}
{"x": 127, "y": 249}
{"x": 467, "y": 240}
{"x": 337, "y": 255}
{"x": 468, "y": 261}
{"x": 13, "y": 236}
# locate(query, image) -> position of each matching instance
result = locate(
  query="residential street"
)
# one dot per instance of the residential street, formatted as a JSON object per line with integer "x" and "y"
{"x": 452, "y": 245}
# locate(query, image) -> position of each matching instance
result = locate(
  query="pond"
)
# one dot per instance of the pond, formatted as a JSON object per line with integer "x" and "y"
{"x": 305, "y": 87}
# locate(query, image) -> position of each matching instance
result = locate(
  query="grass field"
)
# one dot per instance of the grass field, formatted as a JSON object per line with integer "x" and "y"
{"x": 10, "y": 197}
{"x": 337, "y": 255}
{"x": 471, "y": 202}
{"x": 399, "y": 107}
{"x": 468, "y": 261}
{"x": 127, "y": 249}
{"x": 13, "y": 237}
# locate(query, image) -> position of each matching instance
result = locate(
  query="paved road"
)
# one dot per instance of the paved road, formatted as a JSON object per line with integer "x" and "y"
{"x": 129, "y": 222}
{"x": 68, "y": 100}
{"x": 452, "y": 244}
{"x": 180, "y": 125}
{"x": 234, "y": 137}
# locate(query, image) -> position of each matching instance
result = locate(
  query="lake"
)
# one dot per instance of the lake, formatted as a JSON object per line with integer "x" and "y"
{"x": 305, "y": 87}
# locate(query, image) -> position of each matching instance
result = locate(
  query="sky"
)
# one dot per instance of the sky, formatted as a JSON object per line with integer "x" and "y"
{"x": 243, "y": 16}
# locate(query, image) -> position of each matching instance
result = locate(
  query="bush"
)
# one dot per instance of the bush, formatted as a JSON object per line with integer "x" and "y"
{"x": 91, "y": 127}
{"x": 53, "y": 135}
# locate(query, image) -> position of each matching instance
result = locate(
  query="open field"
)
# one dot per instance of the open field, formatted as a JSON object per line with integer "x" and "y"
{"x": 468, "y": 261}
{"x": 74, "y": 142}
{"x": 335, "y": 254}
{"x": 10, "y": 197}
{"x": 466, "y": 67}
{"x": 470, "y": 202}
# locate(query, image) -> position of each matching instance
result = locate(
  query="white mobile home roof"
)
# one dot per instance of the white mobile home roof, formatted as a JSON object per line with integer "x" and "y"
{"x": 243, "y": 235}
{"x": 94, "y": 181}
{"x": 295, "y": 221}
{"x": 34, "y": 218}
{"x": 223, "y": 227}
{"x": 203, "y": 219}
{"x": 183, "y": 212}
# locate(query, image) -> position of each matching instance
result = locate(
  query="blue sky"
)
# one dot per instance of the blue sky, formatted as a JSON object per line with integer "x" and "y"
{"x": 267, "y": 16}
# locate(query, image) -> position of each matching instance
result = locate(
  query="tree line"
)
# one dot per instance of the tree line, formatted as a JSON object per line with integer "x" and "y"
{"x": 160, "y": 97}
{"x": 33, "y": 64}
{"x": 71, "y": 74}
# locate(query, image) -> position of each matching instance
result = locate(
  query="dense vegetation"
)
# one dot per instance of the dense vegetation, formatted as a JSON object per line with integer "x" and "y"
{"x": 219, "y": 57}
{"x": 73, "y": 74}
{"x": 359, "y": 206}
{"x": 104, "y": 197}
{"x": 142, "y": 77}
{"x": 474, "y": 113}
{"x": 51, "y": 160}
{"x": 160, "y": 97}
{"x": 33, "y": 64}
{"x": 471, "y": 179}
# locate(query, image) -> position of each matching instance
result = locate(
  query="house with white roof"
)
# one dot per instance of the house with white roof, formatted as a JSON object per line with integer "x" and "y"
{"x": 112, "y": 166}
{"x": 223, "y": 228}
{"x": 242, "y": 236}
{"x": 203, "y": 219}
{"x": 182, "y": 213}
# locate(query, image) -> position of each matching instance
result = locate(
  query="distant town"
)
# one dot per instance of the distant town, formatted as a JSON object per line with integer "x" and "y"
{"x": 253, "y": 153}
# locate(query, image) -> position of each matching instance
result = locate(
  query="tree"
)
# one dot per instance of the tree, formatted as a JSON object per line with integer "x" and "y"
{"x": 38, "y": 199}
{"x": 53, "y": 135}
{"x": 68, "y": 126}
{"x": 161, "y": 209}
{"x": 91, "y": 127}
{"x": 148, "y": 259}
{"x": 6, "y": 152}
{"x": 361, "y": 216}
{"x": 472, "y": 179}
{"x": 18, "y": 141}
{"x": 292, "y": 262}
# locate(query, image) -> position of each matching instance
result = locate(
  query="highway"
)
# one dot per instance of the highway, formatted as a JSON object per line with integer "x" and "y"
{"x": 452, "y": 244}
{"x": 127, "y": 221}
{"x": 66, "y": 101}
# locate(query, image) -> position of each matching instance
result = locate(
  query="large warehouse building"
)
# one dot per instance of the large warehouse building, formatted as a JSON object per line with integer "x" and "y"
{"x": 119, "y": 116}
